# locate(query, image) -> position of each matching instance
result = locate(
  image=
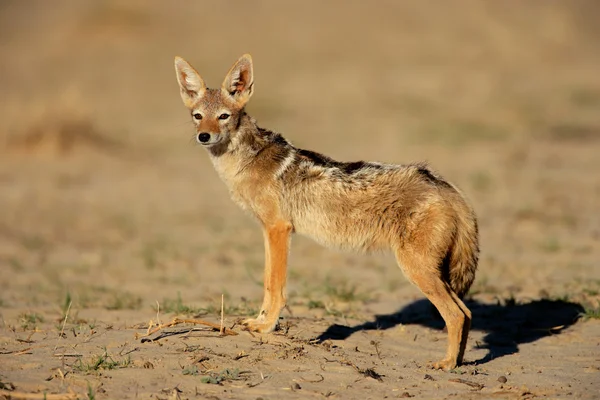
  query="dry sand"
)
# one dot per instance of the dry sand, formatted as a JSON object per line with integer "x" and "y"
{"x": 112, "y": 219}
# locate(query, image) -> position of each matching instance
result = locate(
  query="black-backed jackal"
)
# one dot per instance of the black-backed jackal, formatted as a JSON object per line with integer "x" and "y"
{"x": 409, "y": 209}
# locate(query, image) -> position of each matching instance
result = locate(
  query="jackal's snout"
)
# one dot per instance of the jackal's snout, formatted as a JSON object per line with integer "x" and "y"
{"x": 208, "y": 139}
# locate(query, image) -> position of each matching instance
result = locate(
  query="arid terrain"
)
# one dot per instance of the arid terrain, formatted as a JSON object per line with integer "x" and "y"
{"x": 113, "y": 219}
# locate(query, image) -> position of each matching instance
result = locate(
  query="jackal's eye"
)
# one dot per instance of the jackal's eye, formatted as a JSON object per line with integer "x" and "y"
{"x": 224, "y": 116}
{"x": 197, "y": 116}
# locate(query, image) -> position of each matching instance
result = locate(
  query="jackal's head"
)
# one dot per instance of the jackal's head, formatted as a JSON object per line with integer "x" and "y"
{"x": 216, "y": 112}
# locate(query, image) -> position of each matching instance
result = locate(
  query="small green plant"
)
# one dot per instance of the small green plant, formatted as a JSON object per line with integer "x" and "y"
{"x": 591, "y": 313}
{"x": 101, "y": 362}
{"x": 66, "y": 305}
{"x": 223, "y": 376}
{"x": 90, "y": 392}
{"x": 457, "y": 371}
{"x": 30, "y": 320}
{"x": 191, "y": 370}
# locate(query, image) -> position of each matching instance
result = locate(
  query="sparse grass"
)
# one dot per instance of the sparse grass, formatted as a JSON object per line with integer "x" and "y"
{"x": 223, "y": 376}
{"x": 343, "y": 291}
{"x": 315, "y": 304}
{"x": 329, "y": 295}
{"x": 30, "y": 320}
{"x": 85, "y": 299}
{"x": 482, "y": 286}
{"x": 550, "y": 245}
{"x": 242, "y": 310}
{"x": 393, "y": 281}
{"x": 66, "y": 304}
{"x": 177, "y": 306}
{"x": 124, "y": 301}
{"x": 565, "y": 297}
{"x": 329, "y": 308}
{"x": 215, "y": 378}
{"x": 591, "y": 313}
{"x": 101, "y": 362}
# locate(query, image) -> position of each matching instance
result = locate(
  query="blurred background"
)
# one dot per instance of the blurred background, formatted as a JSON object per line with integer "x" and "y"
{"x": 106, "y": 199}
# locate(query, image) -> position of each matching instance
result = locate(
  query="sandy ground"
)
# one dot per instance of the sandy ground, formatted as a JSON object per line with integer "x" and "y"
{"x": 113, "y": 219}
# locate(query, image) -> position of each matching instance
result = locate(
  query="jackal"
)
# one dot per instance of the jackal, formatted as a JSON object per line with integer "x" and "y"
{"x": 409, "y": 209}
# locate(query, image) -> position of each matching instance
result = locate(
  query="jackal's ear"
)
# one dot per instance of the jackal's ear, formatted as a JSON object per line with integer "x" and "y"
{"x": 239, "y": 82}
{"x": 191, "y": 85}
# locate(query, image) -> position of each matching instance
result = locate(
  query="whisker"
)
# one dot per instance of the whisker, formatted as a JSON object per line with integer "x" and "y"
{"x": 193, "y": 140}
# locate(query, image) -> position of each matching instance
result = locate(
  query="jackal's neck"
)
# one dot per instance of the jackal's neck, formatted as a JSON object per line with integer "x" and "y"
{"x": 242, "y": 148}
{"x": 245, "y": 138}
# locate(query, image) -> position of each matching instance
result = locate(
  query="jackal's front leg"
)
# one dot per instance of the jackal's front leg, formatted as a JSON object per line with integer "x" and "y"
{"x": 277, "y": 238}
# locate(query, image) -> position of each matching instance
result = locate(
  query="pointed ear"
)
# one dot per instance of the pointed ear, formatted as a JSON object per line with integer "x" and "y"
{"x": 191, "y": 85}
{"x": 239, "y": 82}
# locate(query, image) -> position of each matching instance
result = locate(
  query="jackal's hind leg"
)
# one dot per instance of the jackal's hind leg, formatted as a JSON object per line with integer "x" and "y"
{"x": 423, "y": 271}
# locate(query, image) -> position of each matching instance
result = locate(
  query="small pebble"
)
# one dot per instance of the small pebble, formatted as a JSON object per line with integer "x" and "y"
{"x": 502, "y": 379}
{"x": 405, "y": 395}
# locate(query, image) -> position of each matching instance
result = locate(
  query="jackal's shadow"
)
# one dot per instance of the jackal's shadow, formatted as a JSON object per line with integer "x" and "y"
{"x": 507, "y": 325}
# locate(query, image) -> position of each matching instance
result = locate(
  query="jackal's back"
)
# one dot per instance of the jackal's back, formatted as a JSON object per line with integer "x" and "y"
{"x": 370, "y": 206}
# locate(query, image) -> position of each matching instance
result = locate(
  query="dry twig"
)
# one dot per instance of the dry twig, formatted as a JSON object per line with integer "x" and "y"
{"x": 177, "y": 321}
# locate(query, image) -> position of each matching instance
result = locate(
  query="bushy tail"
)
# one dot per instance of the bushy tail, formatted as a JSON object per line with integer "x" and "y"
{"x": 464, "y": 253}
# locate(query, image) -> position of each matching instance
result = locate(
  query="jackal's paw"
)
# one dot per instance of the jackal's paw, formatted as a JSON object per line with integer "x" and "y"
{"x": 445, "y": 364}
{"x": 260, "y": 324}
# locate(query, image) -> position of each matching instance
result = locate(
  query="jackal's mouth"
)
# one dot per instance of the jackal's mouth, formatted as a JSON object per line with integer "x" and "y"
{"x": 209, "y": 139}
{"x": 213, "y": 142}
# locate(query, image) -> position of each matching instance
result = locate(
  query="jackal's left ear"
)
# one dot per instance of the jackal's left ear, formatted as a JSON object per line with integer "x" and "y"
{"x": 239, "y": 82}
{"x": 191, "y": 85}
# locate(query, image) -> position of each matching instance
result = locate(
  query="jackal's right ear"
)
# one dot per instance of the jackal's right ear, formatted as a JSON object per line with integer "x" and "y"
{"x": 191, "y": 85}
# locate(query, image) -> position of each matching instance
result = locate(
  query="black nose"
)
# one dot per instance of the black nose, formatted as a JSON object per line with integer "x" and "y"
{"x": 203, "y": 137}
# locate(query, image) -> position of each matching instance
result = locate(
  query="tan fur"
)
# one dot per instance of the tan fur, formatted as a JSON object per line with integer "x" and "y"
{"x": 408, "y": 209}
